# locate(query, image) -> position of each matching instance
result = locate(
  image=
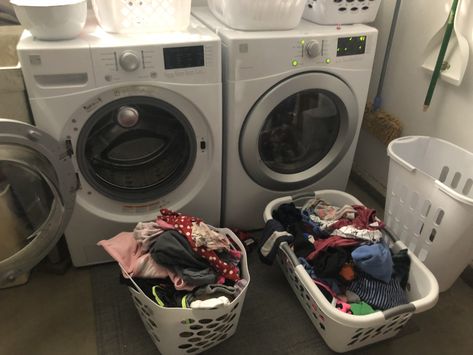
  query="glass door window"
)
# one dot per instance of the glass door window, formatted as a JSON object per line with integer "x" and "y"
{"x": 299, "y": 132}
{"x": 26, "y": 201}
{"x": 136, "y": 149}
{"x": 37, "y": 194}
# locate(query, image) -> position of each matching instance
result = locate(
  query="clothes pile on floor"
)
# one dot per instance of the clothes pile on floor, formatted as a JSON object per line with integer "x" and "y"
{"x": 344, "y": 252}
{"x": 179, "y": 261}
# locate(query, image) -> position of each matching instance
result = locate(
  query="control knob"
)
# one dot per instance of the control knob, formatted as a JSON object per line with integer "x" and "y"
{"x": 129, "y": 61}
{"x": 313, "y": 48}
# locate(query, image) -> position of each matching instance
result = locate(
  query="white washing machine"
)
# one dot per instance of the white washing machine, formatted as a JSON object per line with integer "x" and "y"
{"x": 293, "y": 107}
{"x": 125, "y": 126}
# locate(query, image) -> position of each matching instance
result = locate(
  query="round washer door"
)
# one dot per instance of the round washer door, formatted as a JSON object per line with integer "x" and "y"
{"x": 298, "y": 131}
{"x": 37, "y": 193}
{"x": 136, "y": 148}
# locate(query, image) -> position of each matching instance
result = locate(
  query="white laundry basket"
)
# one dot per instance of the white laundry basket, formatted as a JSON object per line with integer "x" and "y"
{"x": 141, "y": 16}
{"x": 429, "y": 203}
{"x": 258, "y": 14}
{"x": 177, "y": 331}
{"x": 335, "y": 12}
{"x": 341, "y": 331}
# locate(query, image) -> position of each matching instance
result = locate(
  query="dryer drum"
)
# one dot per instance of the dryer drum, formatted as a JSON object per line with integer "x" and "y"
{"x": 138, "y": 162}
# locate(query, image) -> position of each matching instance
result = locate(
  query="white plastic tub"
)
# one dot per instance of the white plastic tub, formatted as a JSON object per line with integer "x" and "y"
{"x": 52, "y": 20}
{"x": 258, "y": 14}
{"x": 429, "y": 203}
{"x": 142, "y": 16}
{"x": 341, "y": 331}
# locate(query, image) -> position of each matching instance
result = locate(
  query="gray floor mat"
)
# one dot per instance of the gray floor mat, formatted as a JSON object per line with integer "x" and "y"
{"x": 272, "y": 320}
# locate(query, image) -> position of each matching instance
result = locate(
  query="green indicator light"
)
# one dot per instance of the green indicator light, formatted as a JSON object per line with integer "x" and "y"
{"x": 351, "y": 38}
{"x": 338, "y": 49}
{"x": 359, "y": 47}
{"x": 295, "y": 63}
{"x": 328, "y": 60}
{"x": 302, "y": 41}
{"x": 362, "y": 38}
{"x": 345, "y": 49}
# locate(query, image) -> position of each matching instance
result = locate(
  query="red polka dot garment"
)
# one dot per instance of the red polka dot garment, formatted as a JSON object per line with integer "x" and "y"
{"x": 183, "y": 224}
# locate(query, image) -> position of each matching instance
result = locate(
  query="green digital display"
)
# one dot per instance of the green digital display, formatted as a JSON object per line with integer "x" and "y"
{"x": 351, "y": 45}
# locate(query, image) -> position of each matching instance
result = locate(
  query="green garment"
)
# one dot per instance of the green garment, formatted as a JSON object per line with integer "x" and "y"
{"x": 361, "y": 308}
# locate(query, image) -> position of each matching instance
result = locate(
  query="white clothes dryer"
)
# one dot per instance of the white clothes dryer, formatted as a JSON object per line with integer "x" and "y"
{"x": 293, "y": 106}
{"x": 125, "y": 125}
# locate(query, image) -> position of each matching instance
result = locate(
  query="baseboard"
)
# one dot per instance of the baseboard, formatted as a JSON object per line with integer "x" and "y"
{"x": 467, "y": 275}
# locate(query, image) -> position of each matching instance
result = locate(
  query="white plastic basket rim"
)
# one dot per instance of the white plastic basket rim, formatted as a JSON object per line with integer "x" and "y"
{"x": 412, "y": 169}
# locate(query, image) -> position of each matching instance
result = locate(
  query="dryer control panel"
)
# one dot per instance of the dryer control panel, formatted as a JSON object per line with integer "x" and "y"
{"x": 253, "y": 58}
{"x": 319, "y": 50}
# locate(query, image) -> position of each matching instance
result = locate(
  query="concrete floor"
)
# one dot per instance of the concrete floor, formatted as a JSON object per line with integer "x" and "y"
{"x": 53, "y": 315}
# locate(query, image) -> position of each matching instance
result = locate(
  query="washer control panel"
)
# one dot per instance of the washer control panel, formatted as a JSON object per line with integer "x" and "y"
{"x": 187, "y": 63}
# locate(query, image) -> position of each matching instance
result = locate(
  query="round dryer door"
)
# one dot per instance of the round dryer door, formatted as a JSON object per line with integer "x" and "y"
{"x": 300, "y": 129}
{"x": 37, "y": 192}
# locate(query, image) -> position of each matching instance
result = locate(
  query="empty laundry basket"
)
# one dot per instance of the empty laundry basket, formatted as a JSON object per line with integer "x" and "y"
{"x": 429, "y": 203}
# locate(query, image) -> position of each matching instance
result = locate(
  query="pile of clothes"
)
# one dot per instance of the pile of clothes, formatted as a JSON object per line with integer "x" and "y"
{"x": 344, "y": 251}
{"x": 179, "y": 261}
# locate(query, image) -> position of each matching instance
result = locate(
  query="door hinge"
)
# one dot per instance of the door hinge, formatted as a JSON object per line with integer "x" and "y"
{"x": 69, "y": 151}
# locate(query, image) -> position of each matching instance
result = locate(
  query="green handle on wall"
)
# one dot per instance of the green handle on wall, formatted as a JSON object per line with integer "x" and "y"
{"x": 441, "y": 57}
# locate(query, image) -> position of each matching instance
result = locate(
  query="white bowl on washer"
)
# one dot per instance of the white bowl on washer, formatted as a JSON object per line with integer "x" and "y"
{"x": 52, "y": 20}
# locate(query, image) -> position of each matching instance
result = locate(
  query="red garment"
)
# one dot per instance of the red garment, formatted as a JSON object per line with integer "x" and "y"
{"x": 363, "y": 219}
{"x": 333, "y": 241}
{"x": 183, "y": 224}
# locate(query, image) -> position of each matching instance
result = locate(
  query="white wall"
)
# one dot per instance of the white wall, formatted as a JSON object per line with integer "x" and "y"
{"x": 451, "y": 112}
{"x": 199, "y": 2}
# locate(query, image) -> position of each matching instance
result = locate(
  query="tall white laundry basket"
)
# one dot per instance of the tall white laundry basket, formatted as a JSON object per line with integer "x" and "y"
{"x": 429, "y": 203}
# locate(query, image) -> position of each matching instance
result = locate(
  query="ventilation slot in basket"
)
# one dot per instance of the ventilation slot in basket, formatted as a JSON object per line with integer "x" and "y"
{"x": 456, "y": 179}
{"x": 467, "y": 188}
{"x": 444, "y": 174}
{"x": 370, "y": 335}
{"x": 207, "y": 332}
{"x": 426, "y": 208}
